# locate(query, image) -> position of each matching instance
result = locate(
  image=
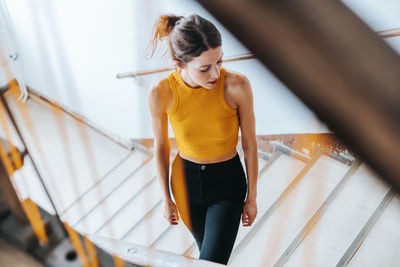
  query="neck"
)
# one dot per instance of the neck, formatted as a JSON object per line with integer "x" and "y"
{"x": 187, "y": 80}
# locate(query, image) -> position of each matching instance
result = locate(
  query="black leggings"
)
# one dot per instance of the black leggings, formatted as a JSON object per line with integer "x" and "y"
{"x": 210, "y": 199}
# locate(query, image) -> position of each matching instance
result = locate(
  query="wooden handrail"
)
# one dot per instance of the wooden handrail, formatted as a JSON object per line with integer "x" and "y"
{"x": 351, "y": 86}
{"x": 385, "y": 34}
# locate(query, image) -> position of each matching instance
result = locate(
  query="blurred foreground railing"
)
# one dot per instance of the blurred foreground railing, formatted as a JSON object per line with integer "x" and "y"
{"x": 334, "y": 63}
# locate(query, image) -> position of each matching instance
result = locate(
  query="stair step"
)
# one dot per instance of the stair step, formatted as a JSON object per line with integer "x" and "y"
{"x": 343, "y": 219}
{"x": 286, "y": 221}
{"x": 149, "y": 230}
{"x": 70, "y": 155}
{"x": 129, "y": 203}
{"x": 114, "y": 180}
{"x": 177, "y": 239}
{"x": 120, "y": 199}
{"x": 271, "y": 183}
{"x": 380, "y": 247}
{"x": 128, "y": 214}
{"x": 181, "y": 233}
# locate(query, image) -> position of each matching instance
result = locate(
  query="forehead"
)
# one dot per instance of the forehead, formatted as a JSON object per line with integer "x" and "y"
{"x": 207, "y": 57}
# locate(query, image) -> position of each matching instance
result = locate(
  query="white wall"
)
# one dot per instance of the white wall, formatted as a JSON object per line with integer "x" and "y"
{"x": 70, "y": 51}
{"x": 379, "y": 15}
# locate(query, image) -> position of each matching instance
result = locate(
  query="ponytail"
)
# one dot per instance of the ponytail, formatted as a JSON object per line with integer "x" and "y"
{"x": 161, "y": 29}
{"x": 187, "y": 37}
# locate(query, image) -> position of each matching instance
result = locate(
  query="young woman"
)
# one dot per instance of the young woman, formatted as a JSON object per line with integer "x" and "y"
{"x": 206, "y": 105}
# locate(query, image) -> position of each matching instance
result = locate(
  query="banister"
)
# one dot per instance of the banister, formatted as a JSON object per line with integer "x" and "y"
{"x": 143, "y": 73}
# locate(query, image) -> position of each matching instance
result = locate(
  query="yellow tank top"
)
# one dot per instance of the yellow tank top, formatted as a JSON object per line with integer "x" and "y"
{"x": 205, "y": 126}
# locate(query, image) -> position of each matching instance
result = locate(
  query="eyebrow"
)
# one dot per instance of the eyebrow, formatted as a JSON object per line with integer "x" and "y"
{"x": 210, "y": 64}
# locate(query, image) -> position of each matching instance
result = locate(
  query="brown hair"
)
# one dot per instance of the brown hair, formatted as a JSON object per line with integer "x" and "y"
{"x": 187, "y": 37}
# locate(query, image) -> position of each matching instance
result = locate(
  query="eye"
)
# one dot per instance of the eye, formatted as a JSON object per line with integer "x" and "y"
{"x": 219, "y": 62}
{"x": 205, "y": 70}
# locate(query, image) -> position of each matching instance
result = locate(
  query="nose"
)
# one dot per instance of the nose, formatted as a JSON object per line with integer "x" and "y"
{"x": 215, "y": 72}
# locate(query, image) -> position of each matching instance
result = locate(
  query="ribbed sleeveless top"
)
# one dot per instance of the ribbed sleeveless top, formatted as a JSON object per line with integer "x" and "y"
{"x": 205, "y": 126}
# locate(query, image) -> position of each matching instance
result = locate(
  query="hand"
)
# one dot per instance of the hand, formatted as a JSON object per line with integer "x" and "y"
{"x": 170, "y": 212}
{"x": 249, "y": 212}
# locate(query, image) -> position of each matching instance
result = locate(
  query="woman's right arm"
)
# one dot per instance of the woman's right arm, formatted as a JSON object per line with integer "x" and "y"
{"x": 158, "y": 99}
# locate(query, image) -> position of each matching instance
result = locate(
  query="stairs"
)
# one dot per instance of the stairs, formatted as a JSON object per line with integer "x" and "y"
{"x": 380, "y": 246}
{"x": 311, "y": 212}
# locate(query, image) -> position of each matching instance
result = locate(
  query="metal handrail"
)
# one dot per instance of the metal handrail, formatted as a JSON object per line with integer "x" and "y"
{"x": 385, "y": 34}
{"x": 389, "y": 33}
{"x": 143, "y": 73}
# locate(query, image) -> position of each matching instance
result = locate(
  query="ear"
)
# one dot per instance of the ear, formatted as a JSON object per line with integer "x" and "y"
{"x": 178, "y": 64}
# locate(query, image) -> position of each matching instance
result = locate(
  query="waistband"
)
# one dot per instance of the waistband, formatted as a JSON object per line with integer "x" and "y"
{"x": 225, "y": 163}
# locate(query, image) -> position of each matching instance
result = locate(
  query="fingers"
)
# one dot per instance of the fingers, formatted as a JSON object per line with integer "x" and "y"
{"x": 245, "y": 219}
{"x": 248, "y": 221}
{"x": 174, "y": 219}
{"x": 248, "y": 218}
{"x": 249, "y": 213}
{"x": 171, "y": 217}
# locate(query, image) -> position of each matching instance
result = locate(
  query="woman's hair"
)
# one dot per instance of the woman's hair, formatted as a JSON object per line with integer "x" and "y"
{"x": 187, "y": 37}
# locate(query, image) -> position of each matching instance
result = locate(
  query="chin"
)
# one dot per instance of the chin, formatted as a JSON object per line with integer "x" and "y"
{"x": 208, "y": 86}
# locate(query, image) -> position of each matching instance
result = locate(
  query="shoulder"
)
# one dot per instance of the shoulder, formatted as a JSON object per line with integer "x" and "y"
{"x": 237, "y": 84}
{"x": 235, "y": 78}
{"x": 160, "y": 89}
{"x": 160, "y": 93}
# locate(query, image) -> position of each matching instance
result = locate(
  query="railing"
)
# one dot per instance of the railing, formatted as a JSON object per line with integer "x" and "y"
{"x": 143, "y": 73}
{"x": 389, "y": 33}
{"x": 384, "y": 34}
{"x": 351, "y": 85}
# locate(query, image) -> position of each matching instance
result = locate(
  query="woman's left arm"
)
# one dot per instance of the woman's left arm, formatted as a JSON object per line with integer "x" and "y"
{"x": 244, "y": 100}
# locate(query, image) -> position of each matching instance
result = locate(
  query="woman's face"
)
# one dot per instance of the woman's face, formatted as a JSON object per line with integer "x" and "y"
{"x": 204, "y": 70}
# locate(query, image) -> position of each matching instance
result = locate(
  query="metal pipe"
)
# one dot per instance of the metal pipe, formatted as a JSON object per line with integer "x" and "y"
{"x": 143, "y": 73}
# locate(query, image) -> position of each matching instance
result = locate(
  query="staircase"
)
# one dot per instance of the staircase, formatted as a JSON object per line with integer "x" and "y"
{"x": 321, "y": 211}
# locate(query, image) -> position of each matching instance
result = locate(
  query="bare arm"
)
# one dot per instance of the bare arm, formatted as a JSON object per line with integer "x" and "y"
{"x": 244, "y": 102}
{"x": 249, "y": 143}
{"x": 158, "y": 100}
{"x": 159, "y": 122}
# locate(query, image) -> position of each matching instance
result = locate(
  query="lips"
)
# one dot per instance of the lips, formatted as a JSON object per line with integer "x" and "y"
{"x": 214, "y": 82}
